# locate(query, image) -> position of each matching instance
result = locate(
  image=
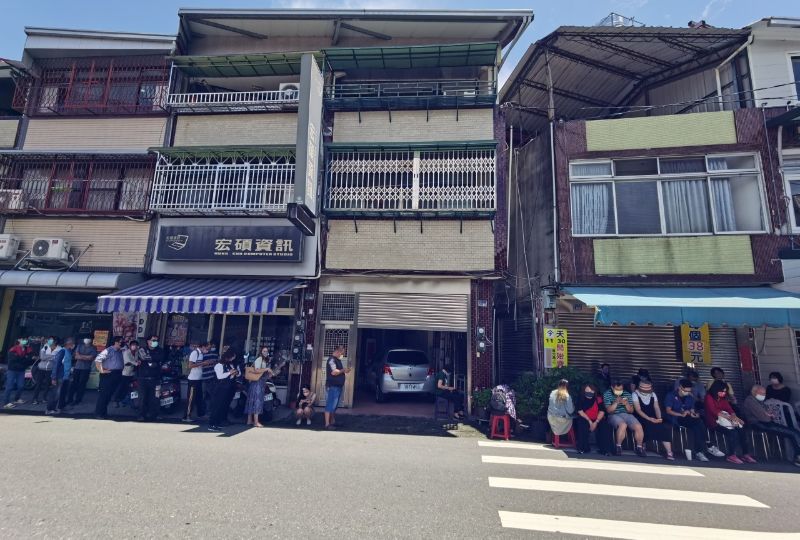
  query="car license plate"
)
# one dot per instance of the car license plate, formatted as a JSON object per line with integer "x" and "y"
{"x": 268, "y": 397}
{"x": 167, "y": 401}
{"x": 237, "y": 395}
{"x": 134, "y": 395}
{"x": 410, "y": 387}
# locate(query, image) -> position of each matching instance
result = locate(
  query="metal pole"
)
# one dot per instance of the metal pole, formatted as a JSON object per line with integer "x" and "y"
{"x": 222, "y": 334}
{"x": 249, "y": 332}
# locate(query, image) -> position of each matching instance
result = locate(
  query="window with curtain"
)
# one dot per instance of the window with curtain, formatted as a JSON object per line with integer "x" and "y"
{"x": 596, "y": 168}
{"x": 592, "y": 208}
{"x": 686, "y": 206}
{"x": 637, "y": 208}
{"x": 683, "y": 165}
{"x": 796, "y": 70}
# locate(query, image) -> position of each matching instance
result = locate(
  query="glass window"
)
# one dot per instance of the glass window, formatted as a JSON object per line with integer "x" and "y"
{"x": 794, "y": 185}
{"x": 686, "y": 206}
{"x": 596, "y": 168}
{"x": 592, "y": 208}
{"x": 796, "y": 70}
{"x": 637, "y": 208}
{"x": 728, "y": 163}
{"x": 737, "y": 204}
{"x": 635, "y": 167}
{"x": 683, "y": 165}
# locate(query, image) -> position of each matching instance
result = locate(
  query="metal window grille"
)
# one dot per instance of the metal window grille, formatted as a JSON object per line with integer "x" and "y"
{"x": 94, "y": 85}
{"x": 76, "y": 185}
{"x": 247, "y": 184}
{"x": 333, "y": 338}
{"x": 256, "y": 100}
{"x": 452, "y": 180}
{"x": 338, "y": 307}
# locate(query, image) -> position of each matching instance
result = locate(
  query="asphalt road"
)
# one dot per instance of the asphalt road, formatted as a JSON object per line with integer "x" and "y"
{"x": 82, "y": 478}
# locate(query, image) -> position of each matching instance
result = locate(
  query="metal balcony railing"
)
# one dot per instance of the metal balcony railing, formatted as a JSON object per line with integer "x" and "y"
{"x": 257, "y": 100}
{"x": 406, "y": 181}
{"x": 74, "y": 196}
{"x": 417, "y": 94}
{"x": 216, "y": 188}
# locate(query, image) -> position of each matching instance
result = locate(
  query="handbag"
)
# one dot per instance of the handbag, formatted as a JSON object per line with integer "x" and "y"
{"x": 251, "y": 375}
{"x": 724, "y": 422}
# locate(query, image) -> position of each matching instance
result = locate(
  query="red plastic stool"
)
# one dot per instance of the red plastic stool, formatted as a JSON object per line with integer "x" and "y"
{"x": 496, "y": 419}
{"x": 570, "y": 440}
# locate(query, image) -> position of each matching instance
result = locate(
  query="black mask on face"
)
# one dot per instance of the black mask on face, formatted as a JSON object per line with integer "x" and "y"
{"x": 589, "y": 395}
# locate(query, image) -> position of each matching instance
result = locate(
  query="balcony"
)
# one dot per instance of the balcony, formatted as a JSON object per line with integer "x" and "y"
{"x": 452, "y": 94}
{"x": 441, "y": 182}
{"x": 90, "y": 86}
{"x": 70, "y": 186}
{"x": 222, "y": 185}
{"x": 260, "y": 100}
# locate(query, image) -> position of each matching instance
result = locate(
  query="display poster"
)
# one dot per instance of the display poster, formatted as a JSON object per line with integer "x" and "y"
{"x": 696, "y": 344}
{"x": 100, "y": 339}
{"x": 125, "y": 325}
{"x": 177, "y": 330}
{"x": 555, "y": 347}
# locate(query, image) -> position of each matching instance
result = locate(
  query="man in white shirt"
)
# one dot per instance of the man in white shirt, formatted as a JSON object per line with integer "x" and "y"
{"x": 195, "y": 398}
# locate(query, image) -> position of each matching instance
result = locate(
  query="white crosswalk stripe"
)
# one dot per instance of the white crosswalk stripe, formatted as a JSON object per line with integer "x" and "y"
{"x": 518, "y": 446}
{"x": 665, "y": 470}
{"x": 626, "y": 491}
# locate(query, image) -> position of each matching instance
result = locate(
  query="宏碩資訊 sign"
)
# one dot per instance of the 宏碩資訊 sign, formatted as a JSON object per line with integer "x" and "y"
{"x": 230, "y": 243}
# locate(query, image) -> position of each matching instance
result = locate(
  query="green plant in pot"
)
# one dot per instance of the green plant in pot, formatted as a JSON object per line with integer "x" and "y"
{"x": 480, "y": 402}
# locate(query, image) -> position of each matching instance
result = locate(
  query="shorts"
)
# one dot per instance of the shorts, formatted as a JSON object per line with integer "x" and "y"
{"x": 617, "y": 419}
{"x": 332, "y": 399}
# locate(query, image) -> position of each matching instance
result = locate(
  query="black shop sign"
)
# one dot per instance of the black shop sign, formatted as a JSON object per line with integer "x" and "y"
{"x": 230, "y": 244}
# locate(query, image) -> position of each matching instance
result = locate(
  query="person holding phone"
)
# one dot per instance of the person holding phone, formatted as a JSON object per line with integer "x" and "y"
{"x": 304, "y": 408}
{"x": 619, "y": 407}
{"x": 223, "y": 392}
{"x": 334, "y": 383}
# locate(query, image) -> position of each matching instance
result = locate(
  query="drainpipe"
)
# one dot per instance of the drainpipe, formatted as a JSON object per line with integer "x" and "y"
{"x": 728, "y": 59}
{"x": 508, "y": 194}
{"x": 551, "y": 114}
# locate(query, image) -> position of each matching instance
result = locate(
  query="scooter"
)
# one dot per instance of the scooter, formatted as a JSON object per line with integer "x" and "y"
{"x": 168, "y": 391}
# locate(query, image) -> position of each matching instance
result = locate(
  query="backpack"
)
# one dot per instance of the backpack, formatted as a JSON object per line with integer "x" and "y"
{"x": 497, "y": 403}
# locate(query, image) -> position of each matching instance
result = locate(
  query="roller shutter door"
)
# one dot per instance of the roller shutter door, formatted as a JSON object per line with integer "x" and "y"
{"x": 725, "y": 355}
{"x": 625, "y": 348}
{"x": 515, "y": 347}
{"x": 445, "y": 313}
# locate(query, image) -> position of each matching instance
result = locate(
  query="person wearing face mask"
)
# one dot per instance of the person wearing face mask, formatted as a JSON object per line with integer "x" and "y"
{"x": 195, "y": 398}
{"x": 223, "y": 393}
{"x": 592, "y": 419}
{"x": 19, "y": 359}
{"x": 109, "y": 364}
{"x": 210, "y": 359}
{"x": 149, "y": 360}
{"x": 60, "y": 376}
{"x": 619, "y": 408}
{"x": 255, "y": 388}
{"x": 759, "y": 418}
{"x": 645, "y": 403}
{"x": 84, "y": 356}
{"x": 130, "y": 356}
{"x": 681, "y": 409}
{"x": 721, "y": 417}
{"x": 778, "y": 390}
{"x": 43, "y": 369}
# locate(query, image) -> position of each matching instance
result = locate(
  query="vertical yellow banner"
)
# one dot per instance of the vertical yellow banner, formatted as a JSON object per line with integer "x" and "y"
{"x": 696, "y": 344}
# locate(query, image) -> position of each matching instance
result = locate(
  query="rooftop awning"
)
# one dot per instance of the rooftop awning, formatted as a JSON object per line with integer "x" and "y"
{"x": 717, "y": 306}
{"x": 68, "y": 280}
{"x": 792, "y": 116}
{"x": 241, "y": 65}
{"x": 164, "y": 295}
{"x": 421, "y": 56}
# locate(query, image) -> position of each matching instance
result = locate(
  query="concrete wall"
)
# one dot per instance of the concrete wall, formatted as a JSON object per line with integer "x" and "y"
{"x": 416, "y": 126}
{"x": 95, "y": 134}
{"x": 8, "y": 132}
{"x": 770, "y": 65}
{"x": 440, "y": 246}
{"x": 236, "y": 129}
{"x": 117, "y": 244}
{"x": 776, "y": 349}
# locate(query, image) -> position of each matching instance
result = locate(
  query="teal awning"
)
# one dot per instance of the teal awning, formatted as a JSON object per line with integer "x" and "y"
{"x": 717, "y": 306}
{"x": 416, "y": 56}
{"x": 241, "y": 65}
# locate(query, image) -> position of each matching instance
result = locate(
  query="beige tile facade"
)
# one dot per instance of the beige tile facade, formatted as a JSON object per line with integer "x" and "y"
{"x": 236, "y": 129}
{"x": 414, "y": 126}
{"x": 8, "y": 132}
{"x": 95, "y": 134}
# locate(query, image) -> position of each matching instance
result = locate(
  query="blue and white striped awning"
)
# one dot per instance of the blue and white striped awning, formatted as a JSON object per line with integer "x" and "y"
{"x": 164, "y": 295}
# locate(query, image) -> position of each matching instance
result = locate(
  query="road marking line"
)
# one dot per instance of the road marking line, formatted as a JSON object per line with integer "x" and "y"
{"x": 518, "y": 446}
{"x": 626, "y": 491}
{"x": 667, "y": 470}
{"x": 627, "y": 530}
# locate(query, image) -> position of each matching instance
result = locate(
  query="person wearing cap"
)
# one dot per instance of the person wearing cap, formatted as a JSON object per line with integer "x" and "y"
{"x": 681, "y": 411}
{"x": 619, "y": 407}
{"x": 645, "y": 403}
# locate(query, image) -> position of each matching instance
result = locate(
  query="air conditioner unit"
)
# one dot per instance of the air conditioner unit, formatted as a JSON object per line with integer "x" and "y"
{"x": 12, "y": 199}
{"x": 290, "y": 90}
{"x": 9, "y": 245}
{"x": 50, "y": 249}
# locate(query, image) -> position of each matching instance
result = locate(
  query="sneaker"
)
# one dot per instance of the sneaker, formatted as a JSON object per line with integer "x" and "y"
{"x": 618, "y": 451}
{"x": 213, "y": 428}
{"x": 308, "y": 421}
{"x": 747, "y": 458}
{"x": 49, "y": 413}
{"x": 670, "y": 456}
{"x": 20, "y": 401}
{"x": 331, "y": 427}
{"x": 700, "y": 456}
{"x": 733, "y": 459}
{"x": 716, "y": 452}
{"x": 299, "y": 421}
{"x": 8, "y": 406}
{"x": 641, "y": 452}
{"x": 186, "y": 420}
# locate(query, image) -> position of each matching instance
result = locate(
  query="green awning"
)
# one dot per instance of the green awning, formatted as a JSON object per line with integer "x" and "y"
{"x": 421, "y": 56}
{"x": 241, "y": 65}
{"x": 223, "y": 151}
{"x": 411, "y": 147}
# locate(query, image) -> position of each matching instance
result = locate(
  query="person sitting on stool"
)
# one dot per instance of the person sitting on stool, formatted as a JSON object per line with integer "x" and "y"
{"x": 446, "y": 390}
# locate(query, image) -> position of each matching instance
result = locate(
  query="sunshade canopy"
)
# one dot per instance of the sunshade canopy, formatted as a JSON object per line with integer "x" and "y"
{"x": 717, "y": 306}
{"x": 421, "y": 56}
{"x": 164, "y": 295}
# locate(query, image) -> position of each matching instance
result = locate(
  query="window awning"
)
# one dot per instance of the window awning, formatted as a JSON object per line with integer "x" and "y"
{"x": 717, "y": 306}
{"x": 165, "y": 295}
{"x": 417, "y": 56}
{"x": 218, "y": 152}
{"x": 52, "y": 279}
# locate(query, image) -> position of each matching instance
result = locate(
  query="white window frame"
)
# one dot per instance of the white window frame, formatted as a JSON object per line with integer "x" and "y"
{"x": 791, "y": 55}
{"x": 708, "y": 176}
{"x": 787, "y": 187}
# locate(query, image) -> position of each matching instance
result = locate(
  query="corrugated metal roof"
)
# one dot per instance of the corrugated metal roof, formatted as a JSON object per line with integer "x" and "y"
{"x": 594, "y": 68}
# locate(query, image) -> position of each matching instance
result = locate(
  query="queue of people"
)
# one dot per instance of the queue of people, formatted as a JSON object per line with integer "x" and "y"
{"x": 634, "y": 408}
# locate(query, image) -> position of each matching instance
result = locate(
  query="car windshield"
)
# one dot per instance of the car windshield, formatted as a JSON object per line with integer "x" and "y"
{"x": 407, "y": 358}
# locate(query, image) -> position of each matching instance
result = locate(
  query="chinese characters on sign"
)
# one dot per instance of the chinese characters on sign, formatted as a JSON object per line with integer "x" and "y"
{"x": 230, "y": 243}
{"x": 696, "y": 344}
{"x": 555, "y": 347}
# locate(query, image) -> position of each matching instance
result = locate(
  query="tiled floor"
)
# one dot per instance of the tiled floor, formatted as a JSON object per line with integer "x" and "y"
{"x": 415, "y": 406}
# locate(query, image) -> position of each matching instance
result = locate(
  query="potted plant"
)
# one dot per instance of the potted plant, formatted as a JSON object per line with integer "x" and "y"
{"x": 480, "y": 403}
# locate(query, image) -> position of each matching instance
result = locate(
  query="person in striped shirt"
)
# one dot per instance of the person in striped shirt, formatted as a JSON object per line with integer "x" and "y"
{"x": 619, "y": 406}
